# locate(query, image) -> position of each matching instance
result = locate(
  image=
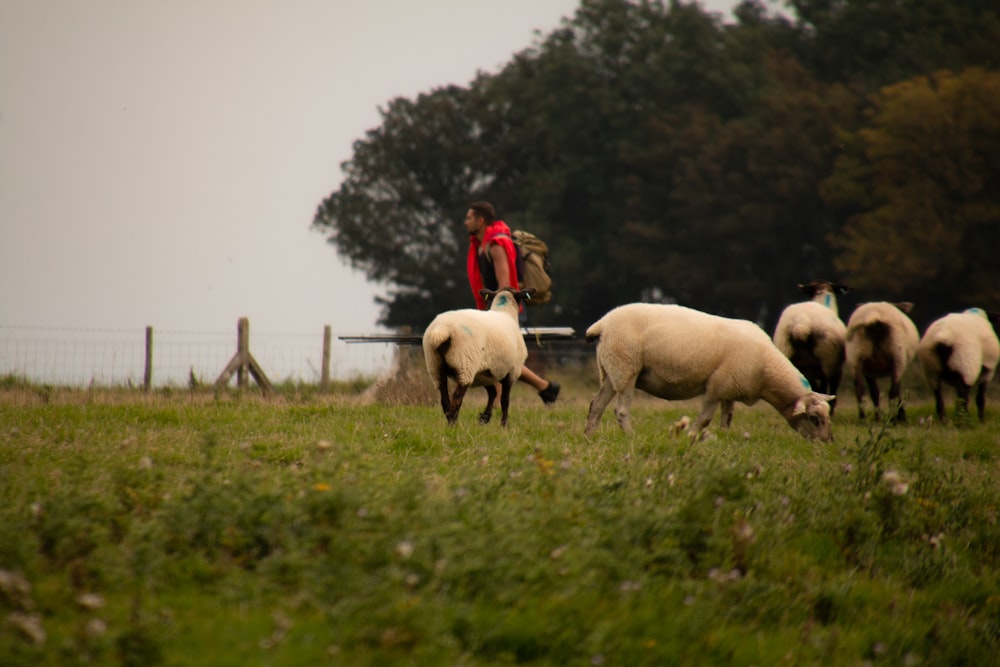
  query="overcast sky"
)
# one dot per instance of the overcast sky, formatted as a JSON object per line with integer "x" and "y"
{"x": 161, "y": 162}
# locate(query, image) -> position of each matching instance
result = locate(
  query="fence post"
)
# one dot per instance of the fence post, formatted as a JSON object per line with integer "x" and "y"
{"x": 324, "y": 378}
{"x": 147, "y": 378}
{"x": 243, "y": 363}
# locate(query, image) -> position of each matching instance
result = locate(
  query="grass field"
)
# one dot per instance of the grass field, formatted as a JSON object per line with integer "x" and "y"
{"x": 189, "y": 528}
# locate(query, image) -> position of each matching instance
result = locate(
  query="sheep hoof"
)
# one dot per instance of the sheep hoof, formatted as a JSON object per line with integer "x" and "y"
{"x": 680, "y": 425}
{"x": 484, "y": 417}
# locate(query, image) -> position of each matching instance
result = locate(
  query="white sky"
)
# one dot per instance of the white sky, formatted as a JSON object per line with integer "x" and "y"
{"x": 161, "y": 162}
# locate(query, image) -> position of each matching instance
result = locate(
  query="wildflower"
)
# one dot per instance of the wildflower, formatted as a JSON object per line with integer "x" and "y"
{"x": 894, "y": 483}
{"x": 30, "y": 626}
{"x": 742, "y": 532}
{"x": 405, "y": 549}
{"x": 96, "y": 628}
{"x": 322, "y": 486}
{"x": 90, "y": 601}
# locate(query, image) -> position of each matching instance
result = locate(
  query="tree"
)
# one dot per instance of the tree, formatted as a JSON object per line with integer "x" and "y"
{"x": 920, "y": 188}
{"x": 870, "y": 43}
{"x": 398, "y": 214}
{"x": 661, "y": 153}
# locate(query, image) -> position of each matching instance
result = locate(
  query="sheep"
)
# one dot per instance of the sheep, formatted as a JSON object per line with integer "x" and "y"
{"x": 477, "y": 348}
{"x": 881, "y": 342}
{"x": 813, "y": 337}
{"x": 673, "y": 352}
{"x": 962, "y": 350}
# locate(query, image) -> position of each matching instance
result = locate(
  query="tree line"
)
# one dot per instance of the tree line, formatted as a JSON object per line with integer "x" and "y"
{"x": 668, "y": 155}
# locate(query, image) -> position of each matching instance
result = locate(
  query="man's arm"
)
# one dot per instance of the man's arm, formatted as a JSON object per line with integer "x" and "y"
{"x": 499, "y": 258}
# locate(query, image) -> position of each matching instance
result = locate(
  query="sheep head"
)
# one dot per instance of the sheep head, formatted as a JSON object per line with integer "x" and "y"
{"x": 811, "y": 416}
{"x": 821, "y": 286}
{"x": 520, "y": 295}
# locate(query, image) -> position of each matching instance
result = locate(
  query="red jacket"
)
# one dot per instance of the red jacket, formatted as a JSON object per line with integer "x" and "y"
{"x": 472, "y": 260}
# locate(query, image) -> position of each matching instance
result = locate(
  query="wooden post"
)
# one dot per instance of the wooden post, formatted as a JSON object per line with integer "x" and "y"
{"x": 243, "y": 363}
{"x": 147, "y": 379}
{"x": 324, "y": 378}
{"x": 243, "y": 352}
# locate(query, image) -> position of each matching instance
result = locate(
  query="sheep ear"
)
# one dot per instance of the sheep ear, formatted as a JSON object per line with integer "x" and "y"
{"x": 905, "y": 306}
{"x": 841, "y": 288}
{"x": 826, "y": 397}
{"x": 800, "y": 407}
{"x": 485, "y": 293}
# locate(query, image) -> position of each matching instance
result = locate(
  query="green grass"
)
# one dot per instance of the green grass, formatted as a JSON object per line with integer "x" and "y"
{"x": 310, "y": 529}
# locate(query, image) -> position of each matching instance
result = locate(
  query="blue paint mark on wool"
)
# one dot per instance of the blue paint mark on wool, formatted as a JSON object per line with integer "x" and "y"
{"x": 502, "y": 300}
{"x": 827, "y": 300}
{"x": 805, "y": 382}
{"x": 466, "y": 329}
{"x": 974, "y": 311}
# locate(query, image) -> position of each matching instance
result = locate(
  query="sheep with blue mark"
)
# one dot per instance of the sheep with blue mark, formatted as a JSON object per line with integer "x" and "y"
{"x": 961, "y": 350}
{"x": 675, "y": 353}
{"x": 477, "y": 348}
{"x": 814, "y": 338}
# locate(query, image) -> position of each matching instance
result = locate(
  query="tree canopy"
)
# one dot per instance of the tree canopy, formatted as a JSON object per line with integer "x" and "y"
{"x": 666, "y": 155}
{"x": 923, "y": 176}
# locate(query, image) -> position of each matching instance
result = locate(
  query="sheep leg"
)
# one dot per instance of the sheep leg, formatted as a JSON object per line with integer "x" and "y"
{"x": 487, "y": 414}
{"x": 598, "y": 405}
{"x": 859, "y": 394}
{"x": 443, "y": 388}
{"x": 895, "y": 398}
{"x": 705, "y": 418}
{"x": 874, "y": 392}
{"x": 726, "y": 416}
{"x": 505, "y": 385}
{"x": 939, "y": 403}
{"x": 962, "y": 398}
{"x": 456, "y": 403}
{"x": 981, "y": 402}
{"x": 832, "y": 386}
{"x": 623, "y": 408}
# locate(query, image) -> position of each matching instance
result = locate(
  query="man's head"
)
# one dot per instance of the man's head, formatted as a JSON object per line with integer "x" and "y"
{"x": 479, "y": 215}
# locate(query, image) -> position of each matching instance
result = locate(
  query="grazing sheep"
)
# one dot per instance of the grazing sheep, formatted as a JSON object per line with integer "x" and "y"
{"x": 881, "y": 342}
{"x": 674, "y": 352}
{"x": 477, "y": 348}
{"x": 962, "y": 350}
{"x": 812, "y": 336}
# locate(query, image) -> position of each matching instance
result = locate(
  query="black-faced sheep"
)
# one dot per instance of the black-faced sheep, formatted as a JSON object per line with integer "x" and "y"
{"x": 674, "y": 352}
{"x": 477, "y": 348}
{"x": 962, "y": 350}
{"x": 881, "y": 342}
{"x": 814, "y": 338}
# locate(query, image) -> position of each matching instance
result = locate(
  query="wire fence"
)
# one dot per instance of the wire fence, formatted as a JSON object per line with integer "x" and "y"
{"x": 117, "y": 357}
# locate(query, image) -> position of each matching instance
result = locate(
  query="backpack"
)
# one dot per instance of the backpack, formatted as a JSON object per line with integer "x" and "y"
{"x": 532, "y": 261}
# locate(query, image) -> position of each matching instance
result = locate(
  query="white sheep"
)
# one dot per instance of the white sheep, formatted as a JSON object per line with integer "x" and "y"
{"x": 962, "y": 350}
{"x": 814, "y": 338}
{"x": 674, "y": 352}
{"x": 881, "y": 342}
{"x": 477, "y": 348}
